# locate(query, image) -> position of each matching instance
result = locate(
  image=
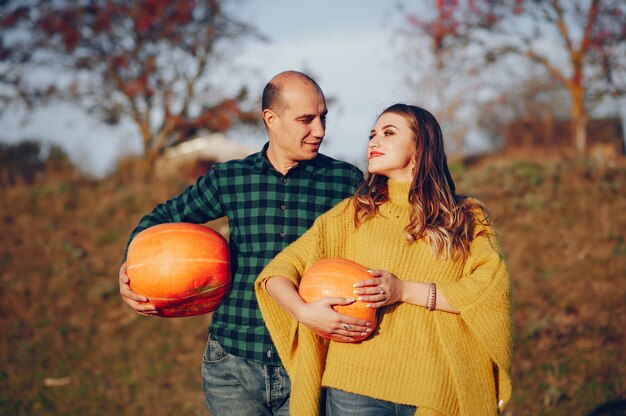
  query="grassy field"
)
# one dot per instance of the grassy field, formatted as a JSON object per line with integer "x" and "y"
{"x": 70, "y": 346}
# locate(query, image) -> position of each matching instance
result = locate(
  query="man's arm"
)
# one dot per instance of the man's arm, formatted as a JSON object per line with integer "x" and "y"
{"x": 197, "y": 204}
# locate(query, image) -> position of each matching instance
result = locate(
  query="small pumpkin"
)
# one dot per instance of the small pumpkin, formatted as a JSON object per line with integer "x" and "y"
{"x": 334, "y": 277}
{"x": 183, "y": 269}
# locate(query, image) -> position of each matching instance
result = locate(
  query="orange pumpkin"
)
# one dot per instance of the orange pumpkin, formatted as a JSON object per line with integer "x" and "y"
{"x": 334, "y": 277}
{"x": 183, "y": 269}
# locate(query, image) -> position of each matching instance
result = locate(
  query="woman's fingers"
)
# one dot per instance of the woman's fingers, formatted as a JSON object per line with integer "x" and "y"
{"x": 342, "y": 325}
{"x": 382, "y": 289}
{"x": 351, "y": 331}
{"x": 354, "y": 328}
{"x": 374, "y": 296}
{"x": 338, "y": 301}
{"x": 374, "y": 281}
{"x": 321, "y": 316}
{"x": 368, "y": 282}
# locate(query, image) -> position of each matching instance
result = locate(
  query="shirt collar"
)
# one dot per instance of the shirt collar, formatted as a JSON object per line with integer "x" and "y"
{"x": 262, "y": 163}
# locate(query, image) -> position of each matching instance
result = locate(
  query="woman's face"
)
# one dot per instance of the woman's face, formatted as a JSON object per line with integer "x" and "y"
{"x": 391, "y": 148}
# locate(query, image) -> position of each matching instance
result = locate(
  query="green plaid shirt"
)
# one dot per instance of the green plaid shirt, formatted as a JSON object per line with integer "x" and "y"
{"x": 266, "y": 212}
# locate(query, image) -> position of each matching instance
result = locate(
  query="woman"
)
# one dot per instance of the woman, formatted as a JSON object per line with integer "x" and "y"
{"x": 443, "y": 343}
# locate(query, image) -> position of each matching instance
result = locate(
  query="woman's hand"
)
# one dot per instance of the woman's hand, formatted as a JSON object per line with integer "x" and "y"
{"x": 382, "y": 289}
{"x": 321, "y": 317}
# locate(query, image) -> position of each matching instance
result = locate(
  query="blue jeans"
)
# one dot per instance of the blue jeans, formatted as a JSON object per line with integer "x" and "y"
{"x": 234, "y": 386}
{"x": 341, "y": 403}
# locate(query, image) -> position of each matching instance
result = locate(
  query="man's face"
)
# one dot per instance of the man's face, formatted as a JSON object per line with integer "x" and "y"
{"x": 300, "y": 127}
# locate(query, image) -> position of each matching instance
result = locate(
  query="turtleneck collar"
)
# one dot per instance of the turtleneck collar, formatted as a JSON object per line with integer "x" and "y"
{"x": 398, "y": 191}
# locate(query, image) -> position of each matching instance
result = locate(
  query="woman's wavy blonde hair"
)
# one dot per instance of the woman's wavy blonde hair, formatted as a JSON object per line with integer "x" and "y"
{"x": 446, "y": 220}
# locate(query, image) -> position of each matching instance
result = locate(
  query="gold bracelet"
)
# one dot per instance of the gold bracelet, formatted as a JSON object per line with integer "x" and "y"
{"x": 431, "y": 300}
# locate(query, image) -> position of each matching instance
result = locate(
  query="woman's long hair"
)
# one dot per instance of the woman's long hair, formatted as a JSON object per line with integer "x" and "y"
{"x": 443, "y": 218}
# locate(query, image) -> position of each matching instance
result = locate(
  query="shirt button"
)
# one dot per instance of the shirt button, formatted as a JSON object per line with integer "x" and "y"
{"x": 281, "y": 234}
{"x": 283, "y": 206}
{"x": 284, "y": 180}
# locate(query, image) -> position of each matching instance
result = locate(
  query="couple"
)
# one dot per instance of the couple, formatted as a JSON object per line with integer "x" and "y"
{"x": 444, "y": 336}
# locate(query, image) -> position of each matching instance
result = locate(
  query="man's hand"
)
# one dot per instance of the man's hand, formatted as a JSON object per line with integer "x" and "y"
{"x": 137, "y": 302}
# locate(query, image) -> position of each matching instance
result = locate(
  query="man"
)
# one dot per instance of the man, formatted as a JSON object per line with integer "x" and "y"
{"x": 270, "y": 199}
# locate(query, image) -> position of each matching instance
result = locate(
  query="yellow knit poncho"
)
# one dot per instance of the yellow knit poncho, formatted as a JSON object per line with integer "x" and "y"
{"x": 443, "y": 363}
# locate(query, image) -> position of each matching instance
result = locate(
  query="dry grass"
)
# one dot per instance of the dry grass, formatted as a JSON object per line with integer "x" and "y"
{"x": 71, "y": 347}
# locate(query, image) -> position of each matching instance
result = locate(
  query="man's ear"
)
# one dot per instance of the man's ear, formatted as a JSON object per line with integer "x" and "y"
{"x": 270, "y": 118}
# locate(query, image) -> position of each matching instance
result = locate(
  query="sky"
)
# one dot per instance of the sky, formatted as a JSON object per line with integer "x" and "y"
{"x": 347, "y": 46}
{"x": 351, "y": 47}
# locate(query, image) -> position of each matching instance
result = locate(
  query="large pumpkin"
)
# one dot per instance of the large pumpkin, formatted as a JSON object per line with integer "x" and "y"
{"x": 183, "y": 269}
{"x": 334, "y": 277}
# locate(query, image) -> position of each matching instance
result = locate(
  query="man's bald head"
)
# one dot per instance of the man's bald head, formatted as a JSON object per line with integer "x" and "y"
{"x": 273, "y": 98}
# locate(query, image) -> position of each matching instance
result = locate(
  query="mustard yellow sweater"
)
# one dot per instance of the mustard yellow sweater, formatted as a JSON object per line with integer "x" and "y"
{"x": 441, "y": 362}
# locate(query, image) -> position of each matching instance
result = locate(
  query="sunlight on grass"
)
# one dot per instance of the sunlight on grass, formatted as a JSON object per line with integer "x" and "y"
{"x": 70, "y": 346}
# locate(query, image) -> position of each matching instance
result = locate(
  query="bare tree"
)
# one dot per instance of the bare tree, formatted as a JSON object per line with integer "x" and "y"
{"x": 537, "y": 97}
{"x": 580, "y": 43}
{"x": 149, "y": 60}
{"x": 440, "y": 89}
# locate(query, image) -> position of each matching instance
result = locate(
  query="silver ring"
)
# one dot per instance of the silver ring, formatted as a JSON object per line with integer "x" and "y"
{"x": 346, "y": 326}
{"x": 382, "y": 291}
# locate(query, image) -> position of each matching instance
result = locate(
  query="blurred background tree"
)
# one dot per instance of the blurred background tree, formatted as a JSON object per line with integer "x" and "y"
{"x": 26, "y": 161}
{"x": 535, "y": 97}
{"x": 147, "y": 60}
{"x": 476, "y": 46}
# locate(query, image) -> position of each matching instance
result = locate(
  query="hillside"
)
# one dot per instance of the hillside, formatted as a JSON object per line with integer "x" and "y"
{"x": 71, "y": 347}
